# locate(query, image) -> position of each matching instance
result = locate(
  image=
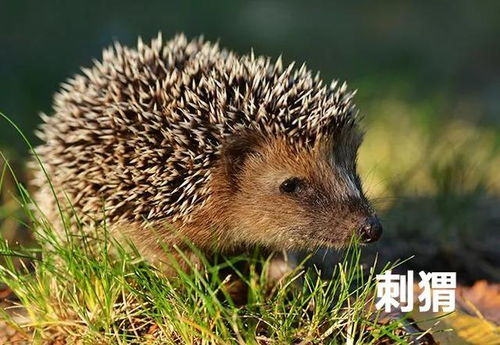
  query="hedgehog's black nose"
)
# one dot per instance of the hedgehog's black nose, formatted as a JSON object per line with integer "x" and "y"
{"x": 371, "y": 230}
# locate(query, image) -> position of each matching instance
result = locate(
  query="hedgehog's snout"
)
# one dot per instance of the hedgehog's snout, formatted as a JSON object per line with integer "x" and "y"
{"x": 370, "y": 230}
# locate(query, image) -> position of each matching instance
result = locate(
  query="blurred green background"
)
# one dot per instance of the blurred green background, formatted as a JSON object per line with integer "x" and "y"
{"x": 428, "y": 75}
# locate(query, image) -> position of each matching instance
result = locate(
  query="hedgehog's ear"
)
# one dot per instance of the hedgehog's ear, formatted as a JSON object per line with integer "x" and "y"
{"x": 235, "y": 152}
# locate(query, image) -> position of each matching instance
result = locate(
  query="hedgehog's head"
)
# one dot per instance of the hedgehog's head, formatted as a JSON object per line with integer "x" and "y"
{"x": 288, "y": 195}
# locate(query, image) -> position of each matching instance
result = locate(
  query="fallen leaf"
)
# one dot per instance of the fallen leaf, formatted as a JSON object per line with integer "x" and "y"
{"x": 482, "y": 298}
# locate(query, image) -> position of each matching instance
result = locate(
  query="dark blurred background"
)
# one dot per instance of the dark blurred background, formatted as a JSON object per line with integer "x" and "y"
{"x": 428, "y": 75}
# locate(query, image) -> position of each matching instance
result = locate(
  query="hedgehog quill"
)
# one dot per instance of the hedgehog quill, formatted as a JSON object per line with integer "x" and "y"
{"x": 232, "y": 151}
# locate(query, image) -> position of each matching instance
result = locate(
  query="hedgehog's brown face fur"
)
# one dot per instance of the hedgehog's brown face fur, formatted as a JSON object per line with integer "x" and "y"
{"x": 286, "y": 196}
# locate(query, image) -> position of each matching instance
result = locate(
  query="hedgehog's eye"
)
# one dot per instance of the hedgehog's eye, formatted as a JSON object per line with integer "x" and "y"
{"x": 291, "y": 185}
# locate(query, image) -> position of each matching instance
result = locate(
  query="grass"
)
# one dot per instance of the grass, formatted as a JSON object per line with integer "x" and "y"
{"x": 73, "y": 290}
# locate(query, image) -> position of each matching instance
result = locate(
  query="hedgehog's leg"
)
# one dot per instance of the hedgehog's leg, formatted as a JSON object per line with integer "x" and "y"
{"x": 280, "y": 266}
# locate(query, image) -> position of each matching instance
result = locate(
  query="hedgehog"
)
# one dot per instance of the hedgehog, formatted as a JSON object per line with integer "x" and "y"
{"x": 186, "y": 140}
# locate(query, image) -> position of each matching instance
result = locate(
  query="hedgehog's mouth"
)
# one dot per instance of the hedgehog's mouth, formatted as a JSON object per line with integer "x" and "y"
{"x": 370, "y": 231}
